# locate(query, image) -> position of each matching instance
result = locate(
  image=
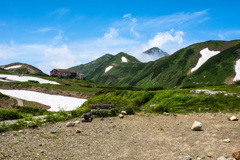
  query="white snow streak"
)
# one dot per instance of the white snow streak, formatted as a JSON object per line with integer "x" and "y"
{"x": 56, "y": 102}
{"x": 237, "y": 70}
{"x": 12, "y": 67}
{"x": 10, "y": 78}
{"x": 108, "y": 68}
{"x": 206, "y": 54}
{"x": 124, "y": 59}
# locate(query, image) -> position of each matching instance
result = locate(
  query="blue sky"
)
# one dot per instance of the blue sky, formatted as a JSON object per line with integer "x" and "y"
{"x": 60, "y": 34}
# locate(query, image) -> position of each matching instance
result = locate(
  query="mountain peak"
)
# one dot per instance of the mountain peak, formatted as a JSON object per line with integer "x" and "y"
{"x": 155, "y": 51}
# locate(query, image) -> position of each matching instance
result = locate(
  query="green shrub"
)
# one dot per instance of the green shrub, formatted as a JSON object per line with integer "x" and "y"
{"x": 34, "y": 110}
{"x": 6, "y": 114}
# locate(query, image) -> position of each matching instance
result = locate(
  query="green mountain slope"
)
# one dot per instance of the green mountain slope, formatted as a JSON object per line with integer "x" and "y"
{"x": 22, "y": 68}
{"x": 171, "y": 71}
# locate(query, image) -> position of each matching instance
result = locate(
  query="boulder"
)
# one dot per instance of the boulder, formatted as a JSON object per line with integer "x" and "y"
{"x": 236, "y": 155}
{"x": 124, "y": 112}
{"x": 70, "y": 124}
{"x": 121, "y": 116}
{"x": 185, "y": 158}
{"x": 197, "y": 126}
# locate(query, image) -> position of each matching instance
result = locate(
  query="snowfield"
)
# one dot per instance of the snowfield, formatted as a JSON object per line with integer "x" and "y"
{"x": 237, "y": 70}
{"x": 206, "y": 54}
{"x": 56, "y": 102}
{"x": 11, "y": 78}
{"x": 108, "y": 68}
{"x": 124, "y": 59}
{"x": 12, "y": 67}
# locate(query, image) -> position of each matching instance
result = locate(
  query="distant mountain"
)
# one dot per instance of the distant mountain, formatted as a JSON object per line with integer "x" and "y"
{"x": 157, "y": 52}
{"x": 21, "y": 68}
{"x": 206, "y": 63}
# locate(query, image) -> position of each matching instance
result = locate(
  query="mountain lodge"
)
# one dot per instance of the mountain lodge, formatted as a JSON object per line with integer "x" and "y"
{"x": 66, "y": 74}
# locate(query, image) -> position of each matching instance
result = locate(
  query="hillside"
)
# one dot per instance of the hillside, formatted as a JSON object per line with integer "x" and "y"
{"x": 21, "y": 68}
{"x": 213, "y": 60}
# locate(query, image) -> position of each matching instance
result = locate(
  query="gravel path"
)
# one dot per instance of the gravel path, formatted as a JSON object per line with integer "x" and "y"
{"x": 141, "y": 136}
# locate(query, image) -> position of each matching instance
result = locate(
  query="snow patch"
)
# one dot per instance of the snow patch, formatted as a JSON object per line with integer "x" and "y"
{"x": 124, "y": 59}
{"x": 56, "y": 102}
{"x": 206, "y": 54}
{"x": 10, "y": 78}
{"x": 237, "y": 70}
{"x": 108, "y": 68}
{"x": 13, "y": 67}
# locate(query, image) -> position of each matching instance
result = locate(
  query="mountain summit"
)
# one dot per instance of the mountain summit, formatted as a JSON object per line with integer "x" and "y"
{"x": 155, "y": 51}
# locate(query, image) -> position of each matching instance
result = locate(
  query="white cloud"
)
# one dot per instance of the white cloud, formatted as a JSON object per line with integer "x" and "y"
{"x": 162, "y": 38}
{"x": 129, "y": 16}
{"x": 113, "y": 33}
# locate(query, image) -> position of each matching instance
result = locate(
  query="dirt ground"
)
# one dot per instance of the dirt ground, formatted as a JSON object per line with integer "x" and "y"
{"x": 141, "y": 136}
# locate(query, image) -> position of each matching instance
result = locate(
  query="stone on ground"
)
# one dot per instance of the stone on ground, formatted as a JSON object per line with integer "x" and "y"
{"x": 123, "y": 112}
{"x": 70, "y": 124}
{"x": 197, "y": 126}
{"x": 227, "y": 140}
{"x": 233, "y": 118}
{"x": 185, "y": 158}
{"x": 222, "y": 158}
{"x": 236, "y": 155}
{"x": 121, "y": 116}
{"x": 77, "y": 122}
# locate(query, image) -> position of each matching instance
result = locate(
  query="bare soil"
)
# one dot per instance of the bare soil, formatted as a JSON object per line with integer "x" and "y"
{"x": 141, "y": 136}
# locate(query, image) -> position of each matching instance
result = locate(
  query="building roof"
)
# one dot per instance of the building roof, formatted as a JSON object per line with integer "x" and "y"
{"x": 65, "y": 70}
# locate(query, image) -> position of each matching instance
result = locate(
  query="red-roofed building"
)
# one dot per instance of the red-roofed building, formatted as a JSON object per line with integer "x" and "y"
{"x": 63, "y": 73}
{"x": 66, "y": 74}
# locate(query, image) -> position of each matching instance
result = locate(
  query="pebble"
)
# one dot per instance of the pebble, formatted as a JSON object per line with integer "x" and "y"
{"x": 53, "y": 131}
{"x": 20, "y": 131}
{"x": 185, "y": 158}
{"x": 70, "y": 124}
{"x": 227, "y": 140}
{"x": 197, "y": 126}
{"x": 78, "y": 131}
{"x": 233, "y": 118}
{"x": 221, "y": 158}
{"x": 76, "y": 122}
{"x": 166, "y": 114}
{"x": 123, "y": 112}
{"x": 121, "y": 116}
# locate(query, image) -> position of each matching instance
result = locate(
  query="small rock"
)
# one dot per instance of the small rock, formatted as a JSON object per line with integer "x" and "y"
{"x": 76, "y": 122}
{"x": 233, "y": 118}
{"x": 166, "y": 114}
{"x": 123, "y": 112}
{"x": 40, "y": 144}
{"x": 185, "y": 158}
{"x": 227, "y": 140}
{"x": 20, "y": 131}
{"x": 221, "y": 158}
{"x": 197, "y": 126}
{"x": 231, "y": 159}
{"x": 78, "y": 131}
{"x": 42, "y": 151}
{"x": 53, "y": 131}
{"x": 121, "y": 116}
{"x": 70, "y": 124}
{"x": 3, "y": 134}
{"x": 236, "y": 155}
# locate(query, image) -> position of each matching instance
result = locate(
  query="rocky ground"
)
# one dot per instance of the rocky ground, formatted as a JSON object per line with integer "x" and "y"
{"x": 141, "y": 136}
